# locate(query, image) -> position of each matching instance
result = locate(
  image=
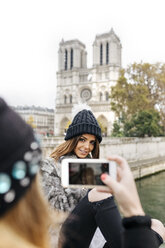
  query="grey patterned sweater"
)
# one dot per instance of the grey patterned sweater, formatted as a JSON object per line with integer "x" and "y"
{"x": 63, "y": 198}
{"x": 60, "y": 198}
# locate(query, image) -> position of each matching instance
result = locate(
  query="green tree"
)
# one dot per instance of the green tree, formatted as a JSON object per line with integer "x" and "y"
{"x": 144, "y": 123}
{"x": 139, "y": 87}
{"x": 117, "y": 130}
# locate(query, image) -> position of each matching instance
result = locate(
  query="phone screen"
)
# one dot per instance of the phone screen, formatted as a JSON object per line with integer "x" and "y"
{"x": 87, "y": 173}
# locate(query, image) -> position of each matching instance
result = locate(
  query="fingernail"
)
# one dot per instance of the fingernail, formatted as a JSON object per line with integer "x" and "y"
{"x": 103, "y": 176}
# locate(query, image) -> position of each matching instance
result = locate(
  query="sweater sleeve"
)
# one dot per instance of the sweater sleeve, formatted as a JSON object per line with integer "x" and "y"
{"x": 60, "y": 198}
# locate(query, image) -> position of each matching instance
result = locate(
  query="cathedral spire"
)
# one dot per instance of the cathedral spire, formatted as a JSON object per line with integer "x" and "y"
{"x": 111, "y": 31}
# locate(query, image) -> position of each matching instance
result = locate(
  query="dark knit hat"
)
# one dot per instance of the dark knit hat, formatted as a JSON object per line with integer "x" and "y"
{"x": 20, "y": 157}
{"x": 84, "y": 122}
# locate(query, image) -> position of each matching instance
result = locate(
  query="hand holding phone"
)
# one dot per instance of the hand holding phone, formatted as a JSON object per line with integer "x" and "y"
{"x": 85, "y": 172}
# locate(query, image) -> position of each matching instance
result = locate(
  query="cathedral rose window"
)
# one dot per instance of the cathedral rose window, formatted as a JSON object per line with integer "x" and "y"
{"x": 86, "y": 94}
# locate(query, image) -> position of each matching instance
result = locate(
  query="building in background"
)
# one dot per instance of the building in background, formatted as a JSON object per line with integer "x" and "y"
{"x": 41, "y": 119}
{"x": 77, "y": 83}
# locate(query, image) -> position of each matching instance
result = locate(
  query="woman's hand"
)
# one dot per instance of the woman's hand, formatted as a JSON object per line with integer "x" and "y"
{"x": 158, "y": 227}
{"x": 124, "y": 188}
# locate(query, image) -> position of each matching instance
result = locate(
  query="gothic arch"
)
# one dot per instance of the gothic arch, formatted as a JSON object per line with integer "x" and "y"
{"x": 65, "y": 99}
{"x": 106, "y": 96}
{"x": 66, "y": 60}
{"x": 70, "y": 98}
{"x": 100, "y": 96}
{"x": 107, "y": 53}
{"x": 71, "y": 58}
{"x": 103, "y": 122}
{"x": 101, "y": 54}
{"x": 64, "y": 125}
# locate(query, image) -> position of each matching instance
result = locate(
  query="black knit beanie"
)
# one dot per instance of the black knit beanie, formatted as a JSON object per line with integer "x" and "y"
{"x": 84, "y": 122}
{"x": 20, "y": 157}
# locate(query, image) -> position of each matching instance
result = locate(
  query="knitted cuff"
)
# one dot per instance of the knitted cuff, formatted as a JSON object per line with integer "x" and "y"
{"x": 137, "y": 221}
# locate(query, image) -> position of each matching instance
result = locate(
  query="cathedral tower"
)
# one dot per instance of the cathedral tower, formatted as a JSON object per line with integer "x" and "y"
{"x": 107, "y": 50}
{"x": 77, "y": 83}
{"x": 72, "y": 55}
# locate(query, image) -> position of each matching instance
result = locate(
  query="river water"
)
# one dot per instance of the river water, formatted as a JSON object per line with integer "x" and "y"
{"x": 152, "y": 195}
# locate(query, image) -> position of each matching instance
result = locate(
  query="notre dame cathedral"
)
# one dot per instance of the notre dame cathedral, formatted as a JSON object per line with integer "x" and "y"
{"x": 77, "y": 83}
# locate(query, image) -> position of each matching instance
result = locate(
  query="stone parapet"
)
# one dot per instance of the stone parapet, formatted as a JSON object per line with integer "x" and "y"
{"x": 134, "y": 149}
{"x": 146, "y": 156}
{"x": 147, "y": 167}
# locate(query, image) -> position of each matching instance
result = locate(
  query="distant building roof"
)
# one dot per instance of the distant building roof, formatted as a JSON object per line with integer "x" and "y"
{"x": 37, "y": 108}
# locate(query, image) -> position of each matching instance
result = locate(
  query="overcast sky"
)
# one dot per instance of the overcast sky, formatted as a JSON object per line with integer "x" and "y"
{"x": 30, "y": 32}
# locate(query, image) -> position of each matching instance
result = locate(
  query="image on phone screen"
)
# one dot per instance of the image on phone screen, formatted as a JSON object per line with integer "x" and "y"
{"x": 87, "y": 173}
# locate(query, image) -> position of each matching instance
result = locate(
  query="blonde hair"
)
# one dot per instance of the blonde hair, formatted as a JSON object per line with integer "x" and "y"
{"x": 68, "y": 147}
{"x": 30, "y": 218}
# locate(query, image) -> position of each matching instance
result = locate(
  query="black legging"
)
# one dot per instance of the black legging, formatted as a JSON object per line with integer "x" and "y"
{"x": 80, "y": 226}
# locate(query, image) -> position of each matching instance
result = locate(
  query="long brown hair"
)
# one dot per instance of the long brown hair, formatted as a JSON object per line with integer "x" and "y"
{"x": 68, "y": 147}
{"x": 30, "y": 218}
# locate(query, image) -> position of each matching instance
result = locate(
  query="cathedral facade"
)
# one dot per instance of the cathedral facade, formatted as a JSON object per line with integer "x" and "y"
{"x": 76, "y": 83}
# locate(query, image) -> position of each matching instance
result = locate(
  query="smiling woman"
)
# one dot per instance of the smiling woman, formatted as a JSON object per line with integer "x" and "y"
{"x": 81, "y": 141}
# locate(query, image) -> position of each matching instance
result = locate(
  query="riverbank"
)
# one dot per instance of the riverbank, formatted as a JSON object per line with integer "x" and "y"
{"x": 147, "y": 167}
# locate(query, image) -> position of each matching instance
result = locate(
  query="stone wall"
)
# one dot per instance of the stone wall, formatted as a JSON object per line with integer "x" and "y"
{"x": 145, "y": 155}
{"x": 150, "y": 167}
{"x": 133, "y": 149}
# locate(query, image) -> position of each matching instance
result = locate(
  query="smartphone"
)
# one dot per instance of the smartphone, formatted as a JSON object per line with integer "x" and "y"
{"x": 86, "y": 173}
